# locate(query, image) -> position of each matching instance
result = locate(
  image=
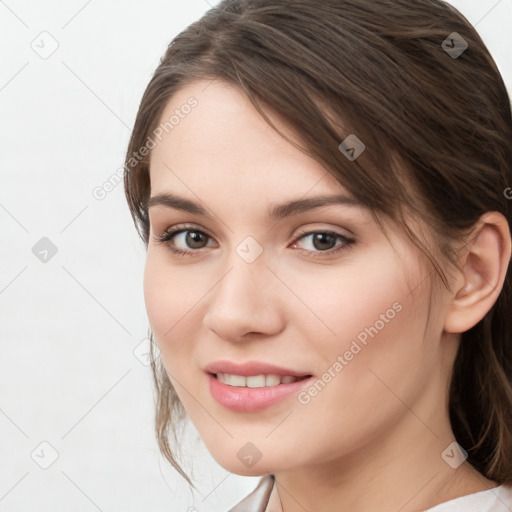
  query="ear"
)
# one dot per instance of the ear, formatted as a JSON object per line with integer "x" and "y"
{"x": 484, "y": 263}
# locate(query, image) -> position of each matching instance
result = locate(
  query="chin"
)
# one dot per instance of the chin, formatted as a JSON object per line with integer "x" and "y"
{"x": 234, "y": 465}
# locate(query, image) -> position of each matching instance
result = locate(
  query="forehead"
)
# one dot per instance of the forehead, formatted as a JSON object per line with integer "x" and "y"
{"x": 223, "y": 143}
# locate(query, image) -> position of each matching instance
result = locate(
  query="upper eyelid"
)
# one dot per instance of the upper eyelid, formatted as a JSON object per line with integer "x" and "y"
{"x": 302, "y": 231}
{"x": 355, "y": 216}
{"x": 183, "y": 227}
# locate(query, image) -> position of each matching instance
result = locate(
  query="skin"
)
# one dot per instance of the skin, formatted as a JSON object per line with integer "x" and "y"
{"x": 372, "y": 438}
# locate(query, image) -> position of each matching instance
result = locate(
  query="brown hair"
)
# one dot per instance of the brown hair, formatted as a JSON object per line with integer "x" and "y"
{"x": 383, "y": 69}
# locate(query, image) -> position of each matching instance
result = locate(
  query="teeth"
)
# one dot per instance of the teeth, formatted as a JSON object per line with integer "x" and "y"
{"x": 272, "y": 380}
{"x": 254, "y": 381}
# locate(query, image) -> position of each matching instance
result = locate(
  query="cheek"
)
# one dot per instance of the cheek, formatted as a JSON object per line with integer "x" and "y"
{"x": 361, "y": 300}
{"x": 172, "y": 296}
{"x": 376, "y": 362}
{"x": 370, "y": 328}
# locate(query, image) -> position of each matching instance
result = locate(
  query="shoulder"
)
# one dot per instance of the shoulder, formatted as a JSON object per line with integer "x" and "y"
{"x": 257, "y": 500}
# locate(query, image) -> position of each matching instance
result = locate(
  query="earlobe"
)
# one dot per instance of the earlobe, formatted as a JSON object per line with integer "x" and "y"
{"x": 484, "y": 263}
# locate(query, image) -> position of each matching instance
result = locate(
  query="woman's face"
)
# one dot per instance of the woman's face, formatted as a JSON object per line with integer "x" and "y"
{"x": 315, "y": 291}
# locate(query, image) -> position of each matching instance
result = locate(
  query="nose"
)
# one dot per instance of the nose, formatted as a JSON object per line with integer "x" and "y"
{"x": 245, "y": 301}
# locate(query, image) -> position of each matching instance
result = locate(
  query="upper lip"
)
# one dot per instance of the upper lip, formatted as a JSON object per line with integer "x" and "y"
{"x": 251, "y": 368}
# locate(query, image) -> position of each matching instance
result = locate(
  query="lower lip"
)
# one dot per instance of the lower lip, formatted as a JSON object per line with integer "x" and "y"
{"x": 244, "y": 399}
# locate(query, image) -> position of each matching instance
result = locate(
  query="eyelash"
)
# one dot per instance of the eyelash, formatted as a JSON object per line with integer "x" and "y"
{"x": 170, "y": 233}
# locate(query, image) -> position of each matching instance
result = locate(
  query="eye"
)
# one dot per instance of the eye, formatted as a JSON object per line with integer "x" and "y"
{"x": 183, "y": 241}
{"x": 323, "y": 242}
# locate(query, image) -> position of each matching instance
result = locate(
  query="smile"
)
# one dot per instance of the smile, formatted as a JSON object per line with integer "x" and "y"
{"x": 249, "y": 394}
{"x": 256, "y": 381}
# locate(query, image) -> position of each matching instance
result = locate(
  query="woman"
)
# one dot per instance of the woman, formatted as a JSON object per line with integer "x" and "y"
{"x": 322, "y": 191}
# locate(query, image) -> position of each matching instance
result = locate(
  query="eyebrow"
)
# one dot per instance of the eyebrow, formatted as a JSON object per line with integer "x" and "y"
{"x": 277, "y": 212}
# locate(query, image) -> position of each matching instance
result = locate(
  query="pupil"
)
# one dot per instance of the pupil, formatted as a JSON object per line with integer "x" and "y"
{"x": 194, "y": 239}
{"x": 323, "y": 238}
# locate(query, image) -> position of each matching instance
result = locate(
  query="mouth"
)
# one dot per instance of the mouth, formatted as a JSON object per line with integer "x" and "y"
{"x": 256, "y": 392}
{"x": 257, "y": 381}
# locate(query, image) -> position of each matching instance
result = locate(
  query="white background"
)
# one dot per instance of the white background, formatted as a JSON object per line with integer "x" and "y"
{"x": 69, "y": 326}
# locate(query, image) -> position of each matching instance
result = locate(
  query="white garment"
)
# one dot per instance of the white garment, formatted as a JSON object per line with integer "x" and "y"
{"x": 264, "y": 498}
{"x": 497, "y": 499}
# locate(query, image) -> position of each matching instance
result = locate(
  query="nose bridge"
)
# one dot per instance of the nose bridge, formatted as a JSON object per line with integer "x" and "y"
{"x": 247, "y": 273}
{"x": 243, "y": 286}
{"x": 243, "y": 300}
